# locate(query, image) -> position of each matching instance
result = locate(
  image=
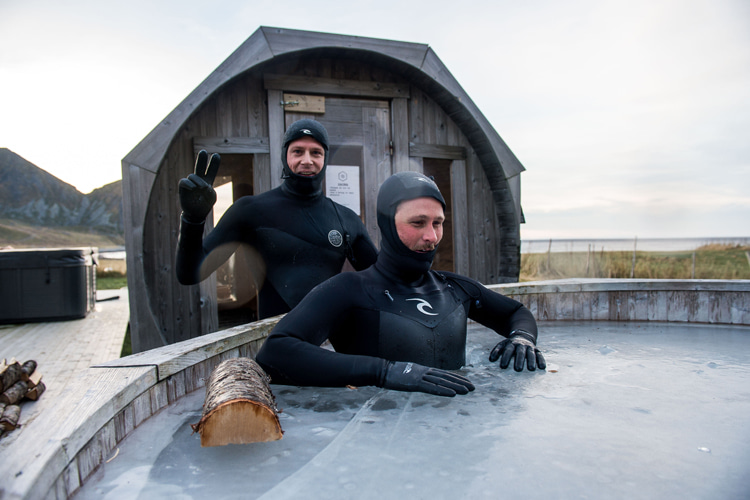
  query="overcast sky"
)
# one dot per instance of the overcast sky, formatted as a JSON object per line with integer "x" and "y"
{"x": 632, "y": 117}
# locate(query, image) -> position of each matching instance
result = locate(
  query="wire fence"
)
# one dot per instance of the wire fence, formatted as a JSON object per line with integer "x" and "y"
{"x": 712, "y": 261}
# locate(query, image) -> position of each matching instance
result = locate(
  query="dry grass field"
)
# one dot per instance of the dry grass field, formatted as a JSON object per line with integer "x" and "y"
{"x": 706, "y": 262}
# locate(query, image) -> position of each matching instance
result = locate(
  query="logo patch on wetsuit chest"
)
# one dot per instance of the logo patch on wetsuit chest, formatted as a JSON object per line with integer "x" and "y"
{"x": 422, "y": 306}
{"x": 335, "y": 238}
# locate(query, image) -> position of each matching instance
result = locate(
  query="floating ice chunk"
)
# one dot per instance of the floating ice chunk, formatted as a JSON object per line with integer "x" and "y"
{"x": 604, "y": 350}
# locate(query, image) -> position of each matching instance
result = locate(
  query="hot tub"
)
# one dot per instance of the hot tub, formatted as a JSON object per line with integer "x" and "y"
{"x": 46, "y": 284}
{"x": 625, "y": 410}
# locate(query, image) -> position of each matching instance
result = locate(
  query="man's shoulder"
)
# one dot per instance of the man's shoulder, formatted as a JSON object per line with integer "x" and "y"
{"x": 345, "y": 283}
{"x": 455, "y": 277}
{"x": 347, "y": 214}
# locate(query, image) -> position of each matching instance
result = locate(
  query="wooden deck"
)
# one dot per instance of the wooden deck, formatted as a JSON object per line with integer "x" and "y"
{"x": 64, "y": 349}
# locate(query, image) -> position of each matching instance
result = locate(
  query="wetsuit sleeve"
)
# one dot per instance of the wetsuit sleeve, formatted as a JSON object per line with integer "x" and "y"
{"x": 193, "y": 249}
{"x": 365, "y": 253}
{"x": 292, "y": 353}
{"x": 494, "y": 310}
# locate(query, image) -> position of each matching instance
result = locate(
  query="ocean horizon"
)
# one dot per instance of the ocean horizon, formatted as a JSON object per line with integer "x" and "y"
{"x": 581, "y": 245}
{"x": 625, "y": 244}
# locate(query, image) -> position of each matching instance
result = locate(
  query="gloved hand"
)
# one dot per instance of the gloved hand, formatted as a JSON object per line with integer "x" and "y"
{"x": 197, "y": 195}
{"x": 411, "y": 377}
{"x": 520, "y": 345}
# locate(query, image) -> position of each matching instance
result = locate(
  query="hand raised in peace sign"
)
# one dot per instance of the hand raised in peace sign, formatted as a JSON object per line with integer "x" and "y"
{"x": 197, "y": 195}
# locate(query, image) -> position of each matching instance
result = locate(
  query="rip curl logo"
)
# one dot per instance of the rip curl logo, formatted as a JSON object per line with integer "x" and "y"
{"x": 306, "y": 131}
{"x": 335, "y": 238}
{"x": 421, "y": 305}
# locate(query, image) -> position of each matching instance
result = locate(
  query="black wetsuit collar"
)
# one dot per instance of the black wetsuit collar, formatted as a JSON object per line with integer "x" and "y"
{"x": 304, "y": 187}
{"x": 404, "y": 267}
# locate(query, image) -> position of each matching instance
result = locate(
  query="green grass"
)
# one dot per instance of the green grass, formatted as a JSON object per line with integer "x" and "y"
{"x": 711, "y": 262}
{"x": 110, "y": 281}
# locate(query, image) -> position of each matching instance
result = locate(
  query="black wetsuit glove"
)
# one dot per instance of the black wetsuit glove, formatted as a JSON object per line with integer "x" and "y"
{"x": 411, "y": 377}
{"x": 521, "y": 346}
{"x": 197, "y": 195}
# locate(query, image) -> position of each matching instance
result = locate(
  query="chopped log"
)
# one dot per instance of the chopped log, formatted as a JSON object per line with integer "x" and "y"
{"x": 9, "y": 418}
{"x": 34, "y": 379}
{"x": 15, "y": 393}
{"x": 240, "y": 407}
{"x": 29, "y": 367}
{"x": 10, "y": 375}
{"x": 34, "y": 393}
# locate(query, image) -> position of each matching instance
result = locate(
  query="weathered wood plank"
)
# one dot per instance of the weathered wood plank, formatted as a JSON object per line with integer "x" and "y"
{"x": 233, "y": 145}
{"x": 304, "y": 103}
{"x": 176, "y": 386}
{"x": 276, "y": 131}
{"x": 172, "y": 359}
{"x": 437, "y": 151}
{"x": 312, "y": 85}
{"x": 717, "y": 301}
{"x": 377, "y": 162}
{"x": 400, "y": 121}
{"x": 158, "y": 396}
{"x": 141, "y": 408}
{"x": 460, "y": 205}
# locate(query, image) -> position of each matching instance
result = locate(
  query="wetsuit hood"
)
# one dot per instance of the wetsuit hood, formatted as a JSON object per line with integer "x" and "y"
{"x": 395, "y": 258}
{"x": 302, "y": 185}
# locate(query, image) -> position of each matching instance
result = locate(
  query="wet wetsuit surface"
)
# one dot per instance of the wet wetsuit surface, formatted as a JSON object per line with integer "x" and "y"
{"x": 371, "y": 318}
{"x": 302, "y": 239}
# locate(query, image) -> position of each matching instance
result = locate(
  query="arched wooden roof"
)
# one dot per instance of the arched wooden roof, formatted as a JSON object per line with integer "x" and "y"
{"x": 417, "y": 62}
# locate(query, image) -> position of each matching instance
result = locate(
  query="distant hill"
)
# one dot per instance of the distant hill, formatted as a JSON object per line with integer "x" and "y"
{"x": 38, "y": 209}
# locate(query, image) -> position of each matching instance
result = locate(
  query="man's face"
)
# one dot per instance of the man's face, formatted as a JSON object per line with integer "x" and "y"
{"x": 419, "y": 223}
{"x": 305, "y": 156}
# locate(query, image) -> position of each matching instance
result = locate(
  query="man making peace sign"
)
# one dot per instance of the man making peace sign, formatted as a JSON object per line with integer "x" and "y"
{"x": 302, "y": 236}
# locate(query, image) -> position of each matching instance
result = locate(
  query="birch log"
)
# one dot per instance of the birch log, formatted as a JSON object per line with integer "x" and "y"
{"x": 10, "y": 374}
{"x": 240, "y": 407}
{"x": 9, "y": 418}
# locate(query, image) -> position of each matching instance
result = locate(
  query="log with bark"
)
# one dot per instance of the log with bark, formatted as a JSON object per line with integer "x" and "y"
{"x": 240, "y": 407}
{"x": 10, "y": 373}
{"x": 15, "y": 393}
{"x": 34, "y": 393}
{"x": 9, "y": 418}
{"x": 28, "y": 367}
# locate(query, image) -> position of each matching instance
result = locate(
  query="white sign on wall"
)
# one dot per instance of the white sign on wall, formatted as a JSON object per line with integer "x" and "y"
{"x": 342, "y": 186}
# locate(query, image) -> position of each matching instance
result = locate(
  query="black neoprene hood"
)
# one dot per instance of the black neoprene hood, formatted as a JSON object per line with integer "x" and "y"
{"x": 394, "y": 255}
{"x": 300, "y": 184}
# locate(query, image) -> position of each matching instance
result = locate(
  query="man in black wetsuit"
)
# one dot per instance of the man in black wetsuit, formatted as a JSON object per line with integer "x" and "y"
{"x": 398, "y": 325}
{"x": 303, "y": 237}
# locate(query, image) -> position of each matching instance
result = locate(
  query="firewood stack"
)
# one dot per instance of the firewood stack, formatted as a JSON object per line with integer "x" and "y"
{"x": 17, "y": 382}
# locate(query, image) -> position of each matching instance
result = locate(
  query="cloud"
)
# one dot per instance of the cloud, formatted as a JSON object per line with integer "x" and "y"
{"x": 624, "y": 113}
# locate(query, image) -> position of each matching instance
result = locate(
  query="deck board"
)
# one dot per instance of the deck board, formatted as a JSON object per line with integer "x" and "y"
{"x": 63, "y": 349}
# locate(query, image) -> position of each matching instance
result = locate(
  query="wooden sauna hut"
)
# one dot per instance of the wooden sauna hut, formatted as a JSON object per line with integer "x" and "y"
{"x": 389, "y": 106}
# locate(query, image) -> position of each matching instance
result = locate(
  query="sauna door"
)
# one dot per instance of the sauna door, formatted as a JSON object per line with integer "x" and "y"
{"x": 360, "y": 136}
